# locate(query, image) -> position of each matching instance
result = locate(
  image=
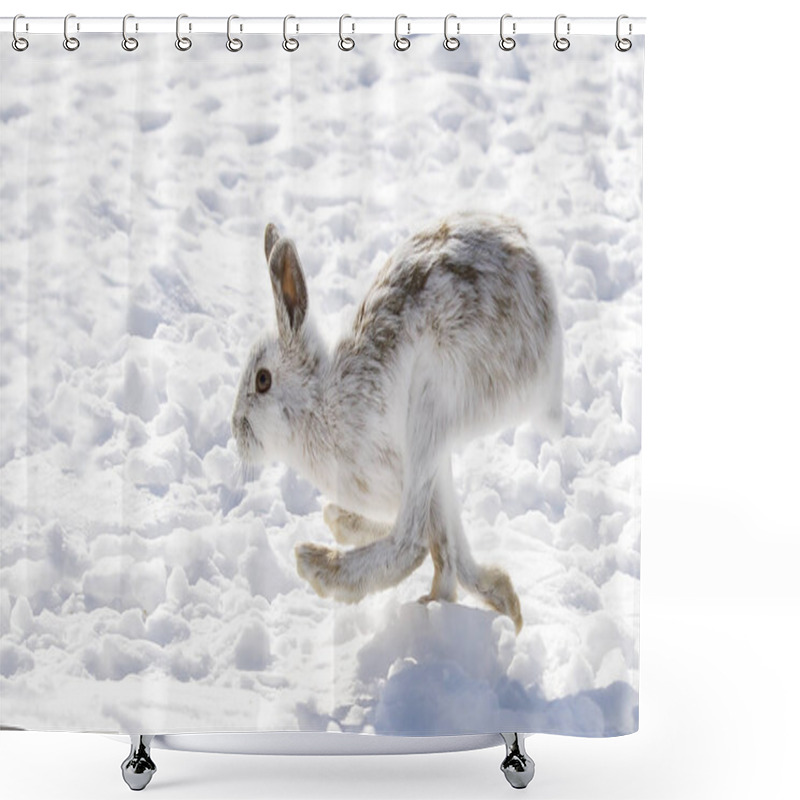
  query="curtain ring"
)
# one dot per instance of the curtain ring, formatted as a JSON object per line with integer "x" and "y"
{"x": 451, "y": 42}
{"x": 289, "y": 45}
{"x": 345, "y": 42}
{"x": 233, "y": 44}
{"x": 561, "y": 43}
{"x": 71, "y": 43}
{"x": 507, "y": 42}
{"x": 18, "y": 42}
{"x": 623, "y": 45}
{"x": 401, "y": 43}
{"x": 183, "y": 43}
{"x": 128, "y": 42}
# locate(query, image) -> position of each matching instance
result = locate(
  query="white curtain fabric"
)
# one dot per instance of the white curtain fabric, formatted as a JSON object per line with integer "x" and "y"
{"x": 148, "y": 581}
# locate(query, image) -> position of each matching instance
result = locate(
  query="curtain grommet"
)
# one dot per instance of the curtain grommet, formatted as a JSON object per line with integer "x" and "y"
{"x": 451, "y": 42}
{"x": 182, "y": 43}
{"x": 289, "y": 44}
{"x": 561, "y": 43}
{"x": 507, "y": 42}
{"x": 623, "y": 44}
{"x": 71, "y": 43}
{"x": 233, "y": 44}
{"x": 129, "y": 43}
{"x": 346, "y": 43}
{"x": 19, "y": 43}
{"x": 401, "y": 43}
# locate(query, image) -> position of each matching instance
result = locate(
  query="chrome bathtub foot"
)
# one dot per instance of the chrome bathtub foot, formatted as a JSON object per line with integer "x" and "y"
{"x": 517, "y": 766}
{"x": 138, "y": 768}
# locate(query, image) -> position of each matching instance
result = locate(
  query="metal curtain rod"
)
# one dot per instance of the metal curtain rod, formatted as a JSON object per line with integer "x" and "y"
{"x": 462, "y": 26}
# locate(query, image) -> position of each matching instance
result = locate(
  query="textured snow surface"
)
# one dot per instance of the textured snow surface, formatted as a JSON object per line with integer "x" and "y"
{"x": 147, "y": 581}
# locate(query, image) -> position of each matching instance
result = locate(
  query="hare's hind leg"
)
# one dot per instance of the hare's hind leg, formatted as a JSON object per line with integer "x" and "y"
{"x": 492, "y": 584}
{"x": 442, "y": 544}
{"x": 351, "y": 575}
{"x": 351, "y": 528}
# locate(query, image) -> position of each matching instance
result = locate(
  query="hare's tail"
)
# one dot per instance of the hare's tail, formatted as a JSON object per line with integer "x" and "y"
{"x": 548, "y": 406}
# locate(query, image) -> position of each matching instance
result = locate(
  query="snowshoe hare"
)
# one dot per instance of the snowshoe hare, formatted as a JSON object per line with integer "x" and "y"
{"x": 457, "y": 336}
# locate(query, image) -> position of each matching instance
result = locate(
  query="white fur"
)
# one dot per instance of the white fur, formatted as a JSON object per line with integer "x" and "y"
{"x": 457, "y": 336}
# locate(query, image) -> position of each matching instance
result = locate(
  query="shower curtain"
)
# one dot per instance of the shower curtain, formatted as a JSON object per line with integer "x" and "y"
{"x": 252, "y": 304}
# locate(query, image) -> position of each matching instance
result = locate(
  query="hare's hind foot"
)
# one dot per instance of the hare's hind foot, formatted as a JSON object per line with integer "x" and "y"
{"x": 349, "y": 528}
{"x": 497, "y": 591}
{"x": 318, "y": 565}
{"x": 350, "y": 575}
{"x": 326, "y": 569}
{"x": 504, "y": 601}
{"x": 493, "y": 586}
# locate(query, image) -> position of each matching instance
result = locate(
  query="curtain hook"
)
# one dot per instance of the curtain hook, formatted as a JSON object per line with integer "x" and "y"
{"x": 18, "y": 42}
{"x": 561, "y": 43}
{"x": 183, "y": 43}
{"x": 233, "y": 44}
{"x": 623, "y": 45}
{"x": 507, "y": 42}
{"x": 451, "y": 42}
{"x": 71, "y": 43}
{"x": 401, "y": 43}
{"x": 346, "y": 43}
{"x": 128, "y": 42}
{"x": 289, "y": 45}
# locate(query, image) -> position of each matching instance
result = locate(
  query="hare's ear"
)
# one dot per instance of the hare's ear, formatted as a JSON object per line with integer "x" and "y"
{"x": 271, "y": 237}
{"x": 288, "y": 287}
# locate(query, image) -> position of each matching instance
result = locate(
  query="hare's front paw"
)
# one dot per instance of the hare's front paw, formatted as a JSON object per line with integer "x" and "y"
{"x": 349, "y": 528}
{"x": 434, "y": 598}
{"x": 334, "y": 516}
{"x": 439, "y": 594}
{"x": 318, "y": 565}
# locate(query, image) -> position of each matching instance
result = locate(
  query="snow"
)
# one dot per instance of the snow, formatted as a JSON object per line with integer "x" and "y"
{"x": 252, "y": 648}
{"x": 147, "y": 580}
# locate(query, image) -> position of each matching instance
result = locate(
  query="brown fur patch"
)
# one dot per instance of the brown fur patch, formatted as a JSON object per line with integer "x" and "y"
{"x": 498, "y": 593}
{"x": 431, "y": 240}
{"x": 437, "y": 556}
{"x": 319, "y": 565}
{"x": 288, "y": 286}
{"x": 271, "y": 237}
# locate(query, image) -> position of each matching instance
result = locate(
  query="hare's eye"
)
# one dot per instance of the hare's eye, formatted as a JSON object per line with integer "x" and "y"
{"x": 263, "y": 381}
